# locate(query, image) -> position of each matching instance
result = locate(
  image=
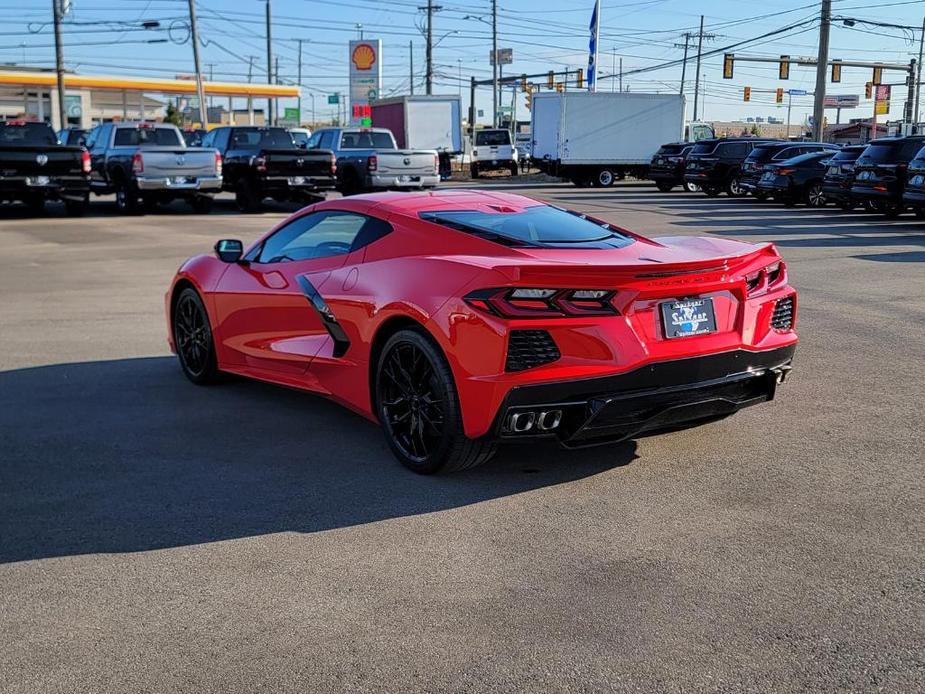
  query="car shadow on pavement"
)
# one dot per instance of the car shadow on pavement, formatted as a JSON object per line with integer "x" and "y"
{"x": 126, "y": 456}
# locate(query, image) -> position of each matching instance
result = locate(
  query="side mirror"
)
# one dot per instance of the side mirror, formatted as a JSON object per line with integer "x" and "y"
{"x": 229, "y": 250}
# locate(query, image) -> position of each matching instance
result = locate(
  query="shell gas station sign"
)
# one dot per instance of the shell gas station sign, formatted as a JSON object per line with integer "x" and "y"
{"x": 365, "y": 78}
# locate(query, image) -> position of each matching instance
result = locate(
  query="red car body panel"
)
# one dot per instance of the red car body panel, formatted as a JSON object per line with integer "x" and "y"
{"x": 264, "y": 327}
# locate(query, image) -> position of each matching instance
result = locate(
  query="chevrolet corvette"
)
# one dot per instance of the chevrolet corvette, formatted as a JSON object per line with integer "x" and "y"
{"x": 462, "y": 319}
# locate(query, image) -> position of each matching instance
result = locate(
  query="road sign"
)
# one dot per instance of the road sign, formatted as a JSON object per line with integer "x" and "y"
{"x": 505, "y": 56}
{"x": 291, "y": 114}
{"x": 797, "y": 92}
{"x": 841, "y": 101}
{"x": 333, "y": 98}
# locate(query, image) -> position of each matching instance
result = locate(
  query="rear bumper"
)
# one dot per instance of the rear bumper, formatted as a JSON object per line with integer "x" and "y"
{"x": 167, "y": 183}
{"x": 655, "y": 397}
{"x": 871, "y": 193}
{"x": 395, "y": 181}
{"x": 493, "y": 164}
{"x": 294, "y": 185}
{"x": 837, "y": 192}
{"x": 914, "y": 196}
{"x": 56, "y": 188}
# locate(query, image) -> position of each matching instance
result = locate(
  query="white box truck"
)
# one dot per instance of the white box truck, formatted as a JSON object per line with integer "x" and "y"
{"x": 596, "y": 138}
{"x": 423, "y": 122}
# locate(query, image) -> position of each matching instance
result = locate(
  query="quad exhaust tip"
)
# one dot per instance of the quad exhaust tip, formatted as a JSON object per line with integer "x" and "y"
{"x": 545, "y": 420}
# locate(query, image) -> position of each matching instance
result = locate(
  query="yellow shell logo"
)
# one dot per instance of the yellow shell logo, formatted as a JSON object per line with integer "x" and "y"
{"x": 363, "y": 56}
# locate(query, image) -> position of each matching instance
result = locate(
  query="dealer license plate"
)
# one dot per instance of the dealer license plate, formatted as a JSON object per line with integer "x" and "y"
{"x": 768, "y": 176}
{"x": 183, "y": 180}
{"x": 297, "y": 180}
{"x": 38, "y": 181}
{"x": 688, "y": 317}
{"x": 409, "y": 179}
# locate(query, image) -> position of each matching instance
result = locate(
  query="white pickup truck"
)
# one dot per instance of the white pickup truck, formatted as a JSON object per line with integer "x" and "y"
{"x": 148, "y": 163}
{"x": 368, "y": 159}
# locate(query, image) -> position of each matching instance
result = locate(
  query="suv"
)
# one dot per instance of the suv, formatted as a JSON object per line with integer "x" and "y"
{"x": 773, "y": 153}
{"x": 915, "y": 184}
{"x": 667, "y": 166}
{"x": 493, "y": 150}
{"x": 880, "y": 173}
{"x": 840, "y": 175}
{"x": 716, "y": 165}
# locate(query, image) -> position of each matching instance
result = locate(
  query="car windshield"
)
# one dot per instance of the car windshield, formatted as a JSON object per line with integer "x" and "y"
{"x": 542, "y": 225}
{"x": 489, "y": 138}
{"x": 152, "y": 137}
{"x": 261, "y": 138}
{"x": 299, "y": 138}
{"x": 366, "y": 139}
{"x": 27, "y": 134}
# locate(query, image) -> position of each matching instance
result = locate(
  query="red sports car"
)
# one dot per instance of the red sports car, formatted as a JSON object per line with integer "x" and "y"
{"x": 458, "y": 319}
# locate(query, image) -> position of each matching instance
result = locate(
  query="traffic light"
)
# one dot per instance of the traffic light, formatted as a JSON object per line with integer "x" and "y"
{"x": 878, "y": 76}
{"x": 579, "y": 78}
{"x": 523, "y": 83}
{"x": 779, "y": 97}
{"x": 783, "y": 71}
{"x": 747, "y": 94}
{"x": 560, "y": 87}
{"x": 868, "y": 90}
{"x": 551, "y": 79}
{"x": 836, "y": 71}
{"x": 728, "y": 67}
{"x": 529, "y": 99}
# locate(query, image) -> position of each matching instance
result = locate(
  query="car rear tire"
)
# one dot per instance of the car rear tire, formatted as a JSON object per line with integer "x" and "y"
{"x": 127, "y": 201}
{"x": 710, "y": 191}
{"x": 35, "y": 204}
{"x": 192, "y": 337}
{"x": 473, "y": 171}
{"x": 246, "y": 197}
{"x": 417, "y": 404}
{"x": 890, "y": 210}
{"x": 846, "y": 205}
{"x": 513, "y": 170}
{"x": 664, "y": 186}
{"x": 760, "y": 195}
{"x": 734, "y": 188}
{"x": 919, "y": 212}
{"x": 814, "y": 196}
{"x": 691, "y": 187}
{"x": 604, "y": 178}
{"x": 202, "y": 204}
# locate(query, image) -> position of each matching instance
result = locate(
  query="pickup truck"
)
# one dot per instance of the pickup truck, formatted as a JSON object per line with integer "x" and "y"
{"x": 368, "y": 159}
{"x": 35, "y": 168}
{"x": 148, "y": 163}
{"x": 265, "y": 163}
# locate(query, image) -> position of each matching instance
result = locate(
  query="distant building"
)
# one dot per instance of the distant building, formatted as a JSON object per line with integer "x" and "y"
{"x": 853, "y": 133}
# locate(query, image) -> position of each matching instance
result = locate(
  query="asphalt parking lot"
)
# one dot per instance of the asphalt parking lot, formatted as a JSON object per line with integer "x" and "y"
{"x": 159, "y": 537}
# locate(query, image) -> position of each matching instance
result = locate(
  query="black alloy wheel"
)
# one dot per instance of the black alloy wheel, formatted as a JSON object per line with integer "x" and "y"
{"x": 734, "y": 188}
{"x": 419, "y": 409}
{"x": 192, "y": 335}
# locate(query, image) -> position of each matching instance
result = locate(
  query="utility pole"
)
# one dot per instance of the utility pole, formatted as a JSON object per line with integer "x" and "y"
{"x": 194, "y": 37}
{"x": 825, "y": 21}
{"x": 909, "y": 110}
{"x": 300, "y": 80}
{"x": 789, "y": 104}
{"x": 918, "y": 79}
{"x": 411, "y": 66}
{"x": 697, "y": 74}
{"x": 613, "y": 68}
{"x": 270, "y": 120}
{"x": 494, "y": 63}
{"x": 250, "y": 68}
{"x": 687, "y": 38}
{"x": 59, "y": 62}
{"x": 429, "y": 80}
{"x": 621, "y": 74}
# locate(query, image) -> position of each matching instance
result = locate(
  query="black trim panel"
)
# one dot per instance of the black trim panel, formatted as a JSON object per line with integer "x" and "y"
{"x": 335, "y": 330}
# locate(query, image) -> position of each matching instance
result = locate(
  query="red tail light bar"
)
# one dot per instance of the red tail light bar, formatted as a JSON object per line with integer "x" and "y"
{"x": 218, "y": 164}
{"x": 525, "y": 302}
{"x": 373, "y": 163}
{"x": 138, "y": 163}
{"x": 85, "y": 161}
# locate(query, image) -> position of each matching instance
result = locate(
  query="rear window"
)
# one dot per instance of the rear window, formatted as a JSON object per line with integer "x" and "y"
{"x": 847, "y": 154}
{"x": 539, "y": 226}
{"x": 152, "y": 137}
{"x": 671, "y": 149}
{"x": 763, "y": 153}
{"x": 369, "y": 139}
{"x": 487, "y": 138}
{"x": 261, "y": 138}
{"x": 881, "y": 152}
{"x": 27, "y": 134}
{"x": 703, "y": 148}
{"x": 809, "y": 156}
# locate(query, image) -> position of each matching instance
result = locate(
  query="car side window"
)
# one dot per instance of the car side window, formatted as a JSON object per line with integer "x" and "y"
{"x": 910, "y": 149}
{"x": 90, "y": 142}
{"x": 314, "y": 141}
{"x": 320, "y": 235}
{"x": 327, "y": 140}
{"x": 735, "y": 150}
{"x": 208, "y": 139}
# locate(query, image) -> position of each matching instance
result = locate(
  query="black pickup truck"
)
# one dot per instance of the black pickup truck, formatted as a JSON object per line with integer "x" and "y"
{"x": 262, "y": 163}
{"x": 34, "y": 168}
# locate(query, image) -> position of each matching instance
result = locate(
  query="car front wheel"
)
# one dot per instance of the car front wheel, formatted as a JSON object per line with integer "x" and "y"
{"x": 814, "y": 196}
{"x": 734, "y": 188}
{"x": 192, "y": 337}
{"x": 604, "y": 178}
{"x": 417, "y": 404}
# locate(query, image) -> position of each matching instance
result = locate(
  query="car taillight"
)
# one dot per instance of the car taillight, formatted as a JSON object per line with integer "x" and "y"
{"x": 437, "y": 164}
{"x": 138, "y": 163}
{"x": 333, "y": 163}
{"x": 260, "y": 163}
{"x": 85, "y": 161}
{"x": 766, "y": 278}
{"x": 373, "y": 162}
{"x": 516, "y": 302}
{"x": 14, "y": 122}
{"x": 218, "y": 164}
{"x": 786, "y": 171}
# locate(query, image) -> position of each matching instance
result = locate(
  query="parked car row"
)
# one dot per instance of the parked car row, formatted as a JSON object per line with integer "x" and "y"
{"x": 886, "y": 175}
{"x": 145, "y": 164}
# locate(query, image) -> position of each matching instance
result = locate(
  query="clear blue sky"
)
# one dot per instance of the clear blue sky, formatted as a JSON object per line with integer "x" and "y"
{"x": 543, "y": 34}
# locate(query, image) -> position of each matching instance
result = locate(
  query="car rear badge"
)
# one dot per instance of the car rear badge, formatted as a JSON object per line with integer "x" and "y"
{"x": 41, "y": 159}
{"x": 181, "y": 160}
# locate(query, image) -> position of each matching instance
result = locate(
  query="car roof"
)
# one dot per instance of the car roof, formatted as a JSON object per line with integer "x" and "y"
{"x": 413, "y": 203}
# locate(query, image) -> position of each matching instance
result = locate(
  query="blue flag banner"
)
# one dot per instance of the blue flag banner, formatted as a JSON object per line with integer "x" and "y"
{"x": 592, "y": 47}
